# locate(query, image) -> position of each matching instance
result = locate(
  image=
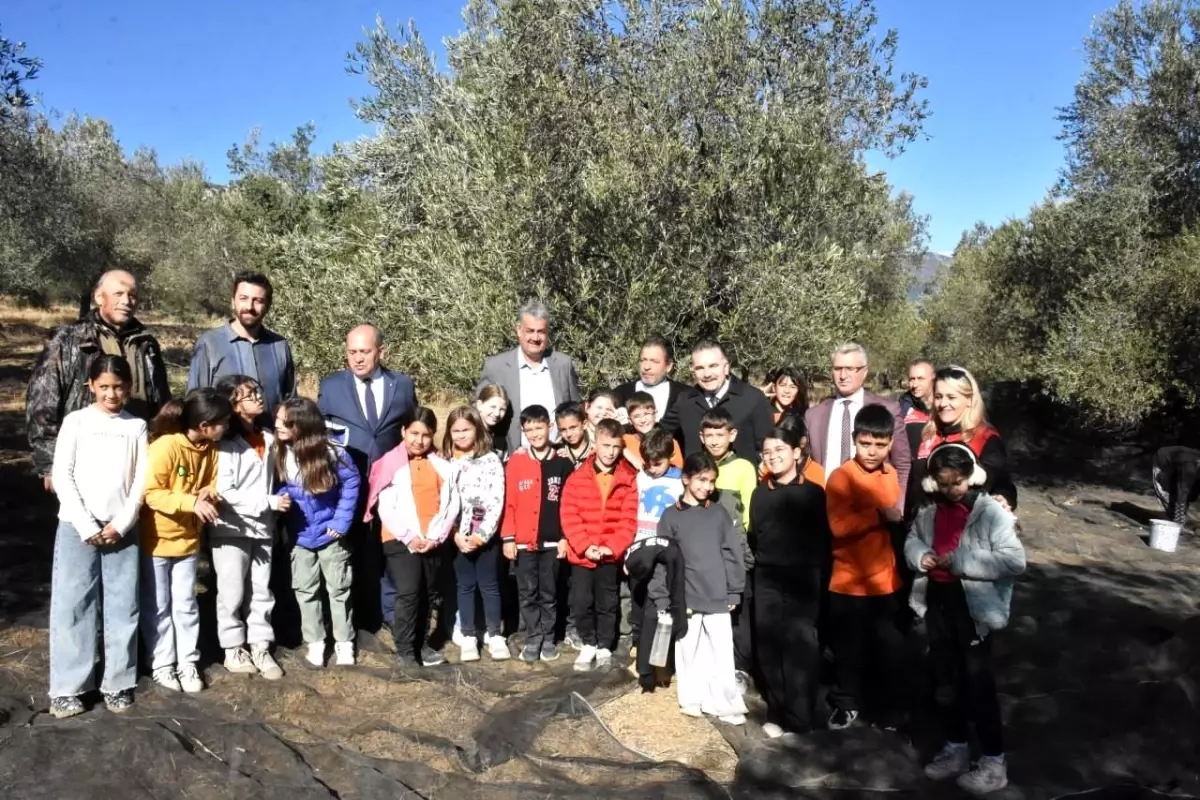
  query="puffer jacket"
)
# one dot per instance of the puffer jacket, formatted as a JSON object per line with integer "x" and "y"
{"x": 312, "y": 515}
{"x": 58, "y": 385}
{"x": 480, "y": 484}
{"x": 589, "y": 519}
{"x": 987, "y": 560}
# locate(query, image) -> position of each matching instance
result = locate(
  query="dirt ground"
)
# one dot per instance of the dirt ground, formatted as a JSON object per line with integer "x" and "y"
{"x": 1099, "y": 679}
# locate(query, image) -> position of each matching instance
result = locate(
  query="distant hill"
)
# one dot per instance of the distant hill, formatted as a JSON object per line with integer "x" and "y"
{"x": 926, "y": 274}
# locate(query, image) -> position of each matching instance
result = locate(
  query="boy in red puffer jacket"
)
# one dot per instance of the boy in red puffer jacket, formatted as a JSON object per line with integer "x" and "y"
{"x": 599, "y": 520}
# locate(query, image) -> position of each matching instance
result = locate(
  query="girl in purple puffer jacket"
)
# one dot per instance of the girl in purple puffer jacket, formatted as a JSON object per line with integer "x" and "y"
{"x": 322, "y": 482}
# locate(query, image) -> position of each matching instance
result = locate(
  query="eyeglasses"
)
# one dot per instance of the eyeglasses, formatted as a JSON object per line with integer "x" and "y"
{"x": 847, "y": 370}
{"x": 253, "y": 394}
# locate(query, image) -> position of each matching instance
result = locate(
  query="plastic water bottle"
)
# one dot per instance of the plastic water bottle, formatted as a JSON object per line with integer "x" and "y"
{"x": 660, "y": 648}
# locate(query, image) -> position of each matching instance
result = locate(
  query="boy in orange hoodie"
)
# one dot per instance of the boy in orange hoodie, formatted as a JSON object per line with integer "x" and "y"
{"x": 863, "y": 500}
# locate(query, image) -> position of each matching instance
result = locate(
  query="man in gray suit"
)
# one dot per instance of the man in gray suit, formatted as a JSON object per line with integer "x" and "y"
{"x": 830, "y": 422}
{"x": 530, "y": 373}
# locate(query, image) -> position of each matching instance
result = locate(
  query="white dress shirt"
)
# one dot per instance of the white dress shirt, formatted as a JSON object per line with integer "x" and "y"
{"x": 717, "y": 395}
{"x": 833, "y": 436}
{"x": 537, "y": 389}
{"x": 360, "y": 386}
{"x": 661, "y": 392}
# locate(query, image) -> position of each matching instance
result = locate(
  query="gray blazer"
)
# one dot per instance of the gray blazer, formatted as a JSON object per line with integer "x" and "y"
{"x": 502, "y": 370}
{"x": 816, "y": 419}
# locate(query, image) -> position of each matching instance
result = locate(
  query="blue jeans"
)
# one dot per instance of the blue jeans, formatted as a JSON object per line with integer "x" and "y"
{"x": 82, "y": 574}
{"x": 170, "y": 614}
{"x": 478, "y": 570}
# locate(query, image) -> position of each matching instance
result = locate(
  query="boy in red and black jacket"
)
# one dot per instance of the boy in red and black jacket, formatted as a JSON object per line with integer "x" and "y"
{"x": 532, "y": 530}
{"x": 599, "y": 520}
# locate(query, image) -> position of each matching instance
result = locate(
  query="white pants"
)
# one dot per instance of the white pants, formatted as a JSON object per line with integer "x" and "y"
{"x": 704, "y": 667}
{"x": 170, "y": 616}
{"x": 244, "y": 599}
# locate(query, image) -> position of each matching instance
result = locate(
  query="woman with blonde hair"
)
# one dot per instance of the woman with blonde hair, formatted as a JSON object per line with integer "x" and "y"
{"x": 959, "y": 415}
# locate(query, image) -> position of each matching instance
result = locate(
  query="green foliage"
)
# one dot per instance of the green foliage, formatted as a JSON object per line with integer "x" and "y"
{"x": 16, "y": 69}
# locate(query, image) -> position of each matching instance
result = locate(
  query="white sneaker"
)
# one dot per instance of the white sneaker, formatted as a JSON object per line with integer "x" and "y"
{"x": 743, "y": 681}
{"x": 468, "y": 649}
{"x": 457, "y": 637}
{"x": 315, "y": 654}
{"x": 733, "y": 719}
{"x": 498, "y": 648}
{"x": 587, "y": 654}
{"x": 772, "y": 730}
{"x": 343, "y": 654}
{"x": 952, "y": 760}
{"x": 990, "y": 775}
{"x": 603, "y": 657}
{"x": 237, "y": 661}
{"x": 166, "y": 678}
{"x": 260, "y": 656}
{"x": 189, "y": 679}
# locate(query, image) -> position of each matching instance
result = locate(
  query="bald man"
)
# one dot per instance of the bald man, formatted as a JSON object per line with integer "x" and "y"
{"x": 58, "y": 385}
{"x": 366, "y": 405}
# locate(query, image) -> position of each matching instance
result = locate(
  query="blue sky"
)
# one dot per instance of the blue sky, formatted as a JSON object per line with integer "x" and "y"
{"x": 192, "y": 78}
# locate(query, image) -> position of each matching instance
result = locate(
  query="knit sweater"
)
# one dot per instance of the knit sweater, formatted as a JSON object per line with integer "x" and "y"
{"x": 481, "y": 494}
{"x": 712, "y": 555}
{"x": 864, "y": 561}
{"x": 987, "y": 560}
{"x": 177, "y": 471}
{"x": 99, "y": 470}
{"x": 788, "y": 525}
{"x": 655, "y": 496}
{"x": 246, "y": 483}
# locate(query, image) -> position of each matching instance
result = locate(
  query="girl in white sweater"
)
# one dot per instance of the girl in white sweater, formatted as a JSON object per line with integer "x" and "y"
{"x": 99, "y": 476}
{"x": 243, "y": 534}
{"x": 479, "y": 478}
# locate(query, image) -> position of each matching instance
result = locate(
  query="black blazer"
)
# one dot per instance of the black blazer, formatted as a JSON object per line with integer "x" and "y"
{"x": 625, "y": 391}
{"x": 751, "y": 411}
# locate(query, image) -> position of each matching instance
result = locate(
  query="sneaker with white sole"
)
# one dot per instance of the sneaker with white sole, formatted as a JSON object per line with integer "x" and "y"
{"x": 315, "y": 654}
{"x": 63, "y": 707}
{"x": 498, "y": 648}
{"x": 468, "y": 649}
{"x": 237, "y": 661}
{"x": 343, "y": 654}
{"x": 457, "y": 637}
{"x": 733, "y": 719}
{"x": 743, "y": 680}
{"x": 990, "y": 775}
{"x": 572, "y": 641}
{"x": 530, "y": 653}
{"x": 260, "y": 656}
{"x": 772, "y": 730}
{"x": 166, "y": 678}
{"x": 953, "y": 760}
{"x": 603, "y": 657}
{"x": 842, "y": 718}
{"x": 549, "y": 651}
{"x": 587, "y": 655}
{"x": 189, "y": 679}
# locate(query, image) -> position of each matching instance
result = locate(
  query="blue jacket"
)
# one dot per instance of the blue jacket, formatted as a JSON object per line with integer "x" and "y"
{"x": 311, "y": 515}
{"x": 338, "y": 400}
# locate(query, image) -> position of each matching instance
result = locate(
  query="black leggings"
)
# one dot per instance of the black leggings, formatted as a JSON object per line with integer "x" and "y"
{"x": 964, "y": 681}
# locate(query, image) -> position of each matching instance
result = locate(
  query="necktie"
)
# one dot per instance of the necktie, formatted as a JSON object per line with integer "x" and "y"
{"x": 372, "y": 409}
{"x": 847, "y": 439}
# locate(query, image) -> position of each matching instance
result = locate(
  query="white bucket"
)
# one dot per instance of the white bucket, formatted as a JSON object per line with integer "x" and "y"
{"x": 1164, "y": 535}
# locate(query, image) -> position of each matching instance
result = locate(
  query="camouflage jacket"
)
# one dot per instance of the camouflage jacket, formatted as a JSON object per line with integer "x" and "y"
{"x": 59, "y": 382}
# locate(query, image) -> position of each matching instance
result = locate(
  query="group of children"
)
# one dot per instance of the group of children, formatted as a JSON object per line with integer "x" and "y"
{"x": 753, "y": 572}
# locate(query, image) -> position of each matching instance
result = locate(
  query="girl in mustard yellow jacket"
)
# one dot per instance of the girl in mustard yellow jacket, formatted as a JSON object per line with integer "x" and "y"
{"x": 181, "y": 497}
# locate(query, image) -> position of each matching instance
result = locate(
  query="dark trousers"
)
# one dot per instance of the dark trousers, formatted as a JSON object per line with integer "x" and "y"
{"x": 1174, "y": 475}
{"x": 787, "y": 603}
{"x": 962, "y": 669}
{"x": 637, "y": 609}
{"x": 368, "y": 595}
{"x": 414, "y": 575}
{"x": 743, "y": 636}
{"x": 595, "y": 600}
{"x": 478, "y": 570}
{"x": 866, "y": 641}
{"x": 537, "y": 584}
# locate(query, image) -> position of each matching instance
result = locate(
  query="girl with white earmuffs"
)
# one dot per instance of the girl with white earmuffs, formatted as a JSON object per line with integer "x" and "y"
{"x": 966, "y": 555}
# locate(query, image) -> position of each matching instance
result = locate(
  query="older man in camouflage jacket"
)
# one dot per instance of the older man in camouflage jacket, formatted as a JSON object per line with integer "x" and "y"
{"x": 59, "y": 382}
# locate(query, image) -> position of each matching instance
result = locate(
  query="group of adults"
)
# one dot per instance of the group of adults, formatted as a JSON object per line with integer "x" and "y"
{"x": 367, "y": 403}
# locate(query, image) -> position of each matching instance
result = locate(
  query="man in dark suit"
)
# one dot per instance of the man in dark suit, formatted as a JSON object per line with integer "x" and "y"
{"x": 531, "y": 373}
{"x": 654, "y": 370}
{"x": 831, "y": 422}
{"x": 366, "y": 407}
{"x": 749, "y": 407}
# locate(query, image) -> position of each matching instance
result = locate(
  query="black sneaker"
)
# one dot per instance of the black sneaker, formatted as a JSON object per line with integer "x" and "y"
{"x": 431, "y": 657}
{"x": 63, "y": 707}
{"x": 572, "y": 641}
{"x": 530, "y": 653}
{"x": 118, "y": 702}
{"x": 407, "y": 661}
{"x": 841, "y": 719}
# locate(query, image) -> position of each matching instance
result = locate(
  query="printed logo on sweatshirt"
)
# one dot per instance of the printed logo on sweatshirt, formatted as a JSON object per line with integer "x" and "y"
{"x": 525, "y": 485}
{"x": 181, "y": 471}
{"x": 553, "y": 488}
{"x": 656, "y": 500}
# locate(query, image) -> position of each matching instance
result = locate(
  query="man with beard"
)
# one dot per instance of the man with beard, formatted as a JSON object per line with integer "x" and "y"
{"x": 654, "y": 369}
{"x": 244, "y": 346}
{"x": 917, "y": 401}
{"x": 58, "y": 385}
{"x": 748, "y": 407}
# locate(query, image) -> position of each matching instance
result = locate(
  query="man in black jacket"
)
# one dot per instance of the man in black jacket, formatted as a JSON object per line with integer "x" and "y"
{"x": 58, "y": 385}
{"x": 748, "y": 406}
{"x": 654, "y": 369}
{"x": 916, "y": 403}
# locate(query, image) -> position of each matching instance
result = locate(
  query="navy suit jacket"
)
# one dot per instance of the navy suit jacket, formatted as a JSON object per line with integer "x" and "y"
{"x": 338, "y": 400}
